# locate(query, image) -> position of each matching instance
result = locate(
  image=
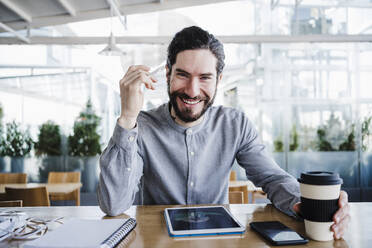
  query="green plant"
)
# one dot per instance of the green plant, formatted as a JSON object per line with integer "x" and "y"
{"x": 85, "y": 139}
{"x": 278, "y": 145}
{"x": 294, "y": 139}
{"x": 49, "y": 147}
{"x": 322, "y": 143}
{"x": 49, "y": 140}
{"x": 18, "y": 143}
{"x": 1, "y": 113}
{"x": 2, "y": 141}
{"x": 349, "y": 143}
{"x": 331, "y": 135}
{"x": 366, "y": 133}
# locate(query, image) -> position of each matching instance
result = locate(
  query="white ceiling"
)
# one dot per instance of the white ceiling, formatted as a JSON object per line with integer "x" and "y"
{"x": 28, "y": 14}
{"x": 20, "y": 14}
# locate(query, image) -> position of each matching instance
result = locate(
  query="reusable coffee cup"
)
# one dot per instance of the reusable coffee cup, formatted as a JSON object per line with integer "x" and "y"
{"x": 320, "y": 191}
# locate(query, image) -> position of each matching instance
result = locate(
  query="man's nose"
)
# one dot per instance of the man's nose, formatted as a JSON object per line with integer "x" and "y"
{"x": 193, "y": 87}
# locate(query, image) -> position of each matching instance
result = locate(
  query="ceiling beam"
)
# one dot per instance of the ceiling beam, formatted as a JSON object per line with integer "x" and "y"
{"x": 28, "y": 66}
{"x": 103, "y": 13}
{"x": 8, "y": 29}
{"x": 346, "y": 4}
{"x": 236, "y": 39}
{"x": 71, "y": 40}
{"x": 115, "y": 7}
{"x": 17, "y": 9}
{"x": 68, "y": 7}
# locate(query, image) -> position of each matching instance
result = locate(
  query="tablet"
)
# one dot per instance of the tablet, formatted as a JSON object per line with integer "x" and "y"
{"x": 197, "y": 221}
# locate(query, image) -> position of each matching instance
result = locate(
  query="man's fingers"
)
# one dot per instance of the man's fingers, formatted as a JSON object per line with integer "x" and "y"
{"x": 341, "y": 217}
{"x": 133, "y": 70}
{"x": 340, "y": 228}
{"x": 139, "y": 74}
{"x": 297, "y": 208}
{"x": 153, "y": 79}
{"x": 343, "y": 199}
{"x": 341, "y": 213}
{"x": 344, "y": 207}
{"x": 142, "y": 78}
{"x": 138, "y": 77}
{"x": 146, "y": 79}
{"x": 138, "y": 67}
{"x": 133, "y": 76}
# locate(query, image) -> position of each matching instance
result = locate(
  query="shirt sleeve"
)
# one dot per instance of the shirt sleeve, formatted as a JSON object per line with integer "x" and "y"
{"x": 281, "y": 188}
{"x": 121, "y": 170}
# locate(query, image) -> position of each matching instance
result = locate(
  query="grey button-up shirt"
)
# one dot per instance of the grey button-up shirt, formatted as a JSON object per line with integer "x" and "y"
{"x": 181, "y": 165}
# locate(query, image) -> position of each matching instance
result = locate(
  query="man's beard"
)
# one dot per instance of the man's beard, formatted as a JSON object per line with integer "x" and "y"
{"x": 186, "y": 115}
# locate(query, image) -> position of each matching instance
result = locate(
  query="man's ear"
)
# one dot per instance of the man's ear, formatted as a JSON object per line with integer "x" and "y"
{"x": 167, "y": 72}
{"x": 219, "y": 78}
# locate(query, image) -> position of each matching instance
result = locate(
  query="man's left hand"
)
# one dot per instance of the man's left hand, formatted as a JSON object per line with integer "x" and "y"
{"x": 341, "y": 218}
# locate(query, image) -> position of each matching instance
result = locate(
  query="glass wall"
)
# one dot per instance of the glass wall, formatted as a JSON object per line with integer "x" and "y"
{"x": 311, "y": 102}
{"x": 312, "y": 107}
{"x": 34, "y": 95}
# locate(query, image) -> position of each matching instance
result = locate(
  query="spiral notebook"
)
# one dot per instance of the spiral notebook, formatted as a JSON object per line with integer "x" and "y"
{"x": 81, "y": 233}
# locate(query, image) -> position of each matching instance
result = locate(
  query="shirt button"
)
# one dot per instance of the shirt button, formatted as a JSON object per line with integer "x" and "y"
{"x": 129, "y": 169}
{"x": 189, "y": 131}
{"x": 192, "y": 153}
{"x": 131, "y": 138}
{"x": 192, "y": 184}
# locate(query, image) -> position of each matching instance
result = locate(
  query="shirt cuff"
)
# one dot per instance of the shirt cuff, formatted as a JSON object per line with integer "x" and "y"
{"x": 125, "y": 138}
{"x": 297, "y": 216}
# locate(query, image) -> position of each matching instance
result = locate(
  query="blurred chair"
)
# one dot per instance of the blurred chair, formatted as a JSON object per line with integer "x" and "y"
{"x": 30, "y": 197}
{"x": 13, "y": 178}
{"x": 232, "y": 175}
{"x": 242, "y": 189}
{"x": 16, "y": 203}
{"x": 236, "y": 197}
{"x": 65, "y": 177}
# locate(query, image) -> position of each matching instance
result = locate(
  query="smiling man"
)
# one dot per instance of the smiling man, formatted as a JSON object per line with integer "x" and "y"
{"x": 182, "y": 152}
{"x": 194, "y": 83}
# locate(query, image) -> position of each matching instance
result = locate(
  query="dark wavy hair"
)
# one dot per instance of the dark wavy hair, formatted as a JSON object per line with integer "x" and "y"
{"x": 195, "y": 38}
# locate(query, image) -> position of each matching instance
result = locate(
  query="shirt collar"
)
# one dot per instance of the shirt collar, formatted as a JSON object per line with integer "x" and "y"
{"x": 165, "y": 109}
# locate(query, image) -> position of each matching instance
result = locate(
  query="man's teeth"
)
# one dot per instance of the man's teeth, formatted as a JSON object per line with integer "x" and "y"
{"x": 190, "y": 102}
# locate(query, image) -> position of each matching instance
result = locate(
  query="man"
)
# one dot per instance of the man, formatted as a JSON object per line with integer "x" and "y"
{"x": 184, "y": 150}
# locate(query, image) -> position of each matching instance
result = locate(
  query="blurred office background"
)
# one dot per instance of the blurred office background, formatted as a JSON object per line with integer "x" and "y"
{"x": 300, "y": 70}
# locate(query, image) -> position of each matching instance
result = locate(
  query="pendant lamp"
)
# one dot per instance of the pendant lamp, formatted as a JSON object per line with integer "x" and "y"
{"x": 112, "y": 49}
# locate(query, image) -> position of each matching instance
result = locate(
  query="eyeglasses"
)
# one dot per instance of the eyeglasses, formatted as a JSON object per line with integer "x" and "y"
{"x": 16, "y": 225}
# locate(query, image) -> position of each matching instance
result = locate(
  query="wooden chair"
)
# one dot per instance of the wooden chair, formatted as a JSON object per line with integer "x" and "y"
{"x": 242, "y": 189}
{"x": 16, "y": 203}
{"x": 236, "y": 197}
{"x": 65, "y": 177}
{"x": 13, "y": 178}
{"x": 30, "y": 197}
{"x": 233, "y": 176}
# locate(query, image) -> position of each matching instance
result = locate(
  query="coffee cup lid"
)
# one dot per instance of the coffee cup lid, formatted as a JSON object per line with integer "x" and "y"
{"x": 320, "y": 178}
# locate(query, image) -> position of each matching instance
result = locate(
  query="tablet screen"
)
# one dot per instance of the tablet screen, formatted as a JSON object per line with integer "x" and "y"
{"x": 200, "y": 218}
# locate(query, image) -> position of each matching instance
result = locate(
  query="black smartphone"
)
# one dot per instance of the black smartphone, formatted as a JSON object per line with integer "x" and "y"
{"x": 277, "y": 233}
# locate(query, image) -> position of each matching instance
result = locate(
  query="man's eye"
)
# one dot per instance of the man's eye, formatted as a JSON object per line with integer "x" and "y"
{"x": 205, "y": 78}
{"x": 182, "y": 74}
